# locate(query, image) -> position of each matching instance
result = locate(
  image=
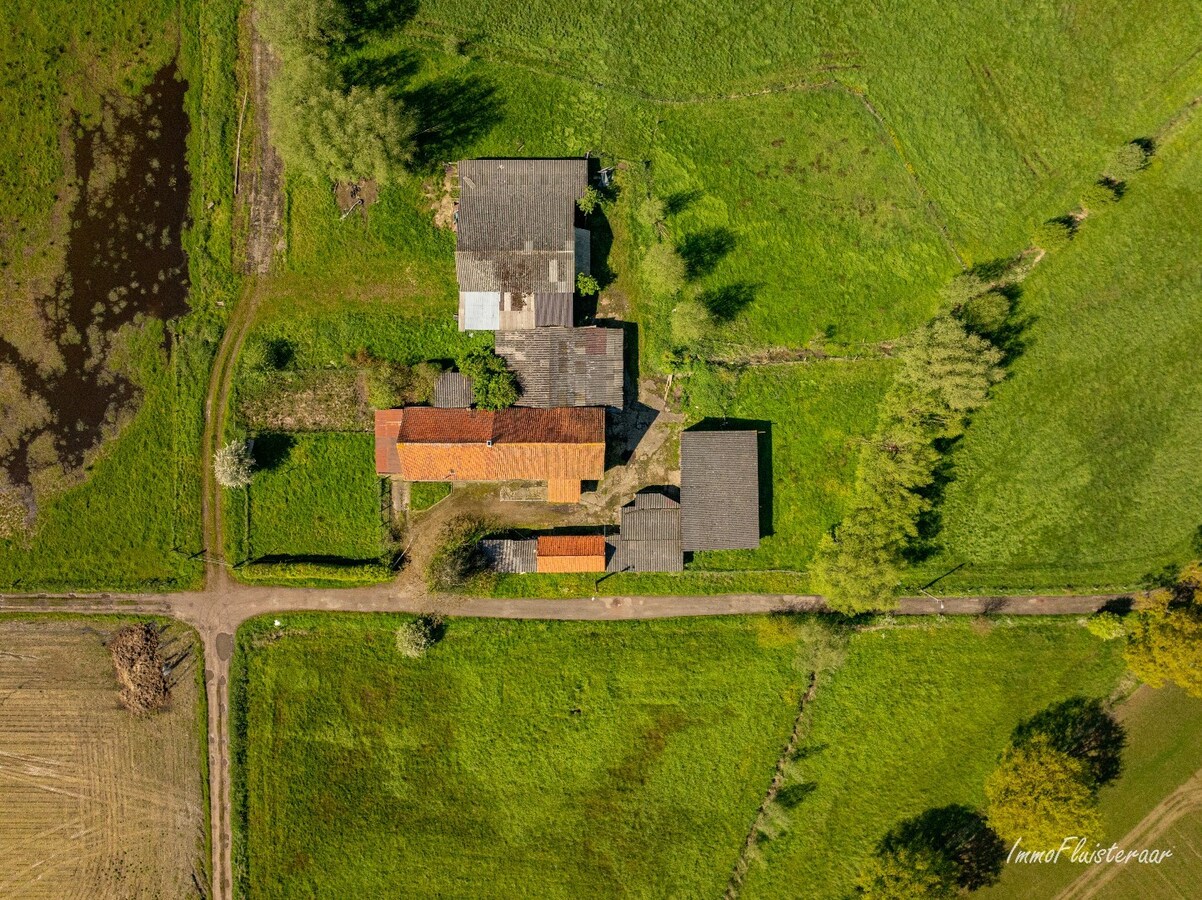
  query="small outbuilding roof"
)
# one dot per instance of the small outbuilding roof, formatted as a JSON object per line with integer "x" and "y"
{"x": 565, "y": 366}
{"x": 453, "y": 390}
{"x": 511, "y": 556}
{"x": 720, "y": 490}
{"x": 649, "y": 539}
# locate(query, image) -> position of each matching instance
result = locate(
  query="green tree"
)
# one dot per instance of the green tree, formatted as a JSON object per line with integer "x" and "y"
{"x": 326, "y": 133}
{"x": 1041, "y": 795}
{"x": 907, "y": 873}
{"x": 309, "y": 27}
{"x": 589, "y": 201}
{"x": 232, "y": 465}
{"x": 586, "y": 285}
{"x": 1164, "y": 640}
{"x": 493, "y": 385}
{"x": 1129, "y": 159}
{"x": 1083, "y": 729}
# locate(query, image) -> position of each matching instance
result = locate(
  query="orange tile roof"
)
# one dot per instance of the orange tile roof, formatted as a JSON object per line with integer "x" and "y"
{"x": 565, "y": 564}
{"x": 571, "y": 545}
{"x": 388, "y": 426}
{"x": 517, "y": 425}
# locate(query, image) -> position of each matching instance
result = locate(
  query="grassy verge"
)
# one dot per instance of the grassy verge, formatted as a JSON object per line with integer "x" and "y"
{"x": 424, "y": 494}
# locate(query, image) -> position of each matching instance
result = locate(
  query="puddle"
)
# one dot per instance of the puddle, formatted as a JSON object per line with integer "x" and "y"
{"x": 124, "y": 261}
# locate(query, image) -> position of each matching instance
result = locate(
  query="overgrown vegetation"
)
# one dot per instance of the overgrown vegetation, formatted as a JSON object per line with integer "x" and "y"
{"x": 493, "y": 385}
{"x": 459, "y": 562}
{"x": 1164, "y": 638}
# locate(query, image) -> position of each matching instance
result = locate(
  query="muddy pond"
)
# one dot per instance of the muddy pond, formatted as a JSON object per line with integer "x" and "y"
{"x": 124, "y": 262}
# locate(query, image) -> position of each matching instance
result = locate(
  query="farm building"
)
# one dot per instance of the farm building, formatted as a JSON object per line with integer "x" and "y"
{"x": 517, "y": 249}
{"x": 565, "y": 366}
{"x": 649, "y": 536}
{"x": 510, "y": 556}
{"x": 571, "y": 553}
{"x": 453, "y": 390}
{"x": 562, "y": 447}
{"x": 719, "y": 490}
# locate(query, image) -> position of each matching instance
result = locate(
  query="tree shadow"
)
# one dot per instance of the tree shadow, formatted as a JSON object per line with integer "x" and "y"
{"x": 957, "y": 833}
{"x": 451, "y": 113}
{"x": 792, "y": 796}
{"x": 392, "y": 71}
{"x": 929, "y": 523}
{"x": 725, "y": 303}
{"x": 272, "y": 449}
{"x": 279, "y": 353}
{"x": 703, "y": 250}
{"x": 366, "y": 18}
{"x": 763, "y": 430}
{"x": 1081, "y": 728}
{"x": 679, "y": 201}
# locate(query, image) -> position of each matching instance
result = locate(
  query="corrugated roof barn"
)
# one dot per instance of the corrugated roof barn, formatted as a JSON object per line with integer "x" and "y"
{"x": 565, "y": 366}
{"x": 720, "y": 490}
{"x": 650, "y": 539}
{"x": 453, "y": 390}
{"x": 515, "y": 557}
{"x": 517, "y": 245}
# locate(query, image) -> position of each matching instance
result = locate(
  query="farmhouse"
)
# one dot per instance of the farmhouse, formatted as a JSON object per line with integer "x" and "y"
{"x": 517, "y": 248}
{"x": 562, "y": 447}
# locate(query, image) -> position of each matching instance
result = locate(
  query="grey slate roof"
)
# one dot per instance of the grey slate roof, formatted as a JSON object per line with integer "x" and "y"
{"x": 565, "y": 366}
{"x": 511, "y": 556}
{"x": 453, "y": 390}
{"x": 649, "y": 537}
{"x": 516, "y": 224}
{"x": 720, "y": 490}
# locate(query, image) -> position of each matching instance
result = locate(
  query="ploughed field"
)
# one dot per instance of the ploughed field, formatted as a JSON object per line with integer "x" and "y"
{"x": 97, "y": 803}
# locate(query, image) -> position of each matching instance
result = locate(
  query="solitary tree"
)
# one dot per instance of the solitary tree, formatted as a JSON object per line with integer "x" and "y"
{"x": 325, "y": 132}
{"x": 1164, "y": 641}
{"x": 232, "y": 465}
{"x": 1084, "y": 730}
{"x": 1041, "y": 795}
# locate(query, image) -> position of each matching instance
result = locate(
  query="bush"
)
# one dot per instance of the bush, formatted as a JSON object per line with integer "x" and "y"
{"x": 1054, "y": 234}
{"x": 586, "y": 285}
{"x": 985, "y": 314}
{"x": 1106, "y": 625}
{"x": 1101, "y": 193}
{"x": 590, "y": 201}
{"x": 414, "y": 638}
{"x": 493, "y": 385}
{"x": 423, "y": 378}
{"x": 232, "y": 465}
{"x": 309, "y": 27}
{"x": 325, "y": 133}
{"x": 663, "y": 270}
{"x": 387, "y": 384}
{"x": 1129, "y": 159}
{"x": 459, "y": 562}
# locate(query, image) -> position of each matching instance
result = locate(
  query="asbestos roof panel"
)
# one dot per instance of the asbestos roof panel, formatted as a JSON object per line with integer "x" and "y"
{"x": 650, "y": 537}
{"x": 479, "y": 310}
{"x": 584, "y": 243}
{"x": 553, "y": 309}
{"x": 453, "y": 390}
{"x": 557, "y": 367}
{"x": 510, "y": 556}
{"x": 519, "y": 204}
{"x": 720, "y": 490}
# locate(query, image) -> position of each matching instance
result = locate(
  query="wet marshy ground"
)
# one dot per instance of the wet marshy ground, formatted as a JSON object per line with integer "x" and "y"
{"x": 124, "y": 263}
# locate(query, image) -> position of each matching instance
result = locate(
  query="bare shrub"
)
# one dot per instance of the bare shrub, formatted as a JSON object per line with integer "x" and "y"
{"x": 459, "y": 560}
{"x": 232, "y": 465}
{"x": 414, "y": 638}
{"x": 139, "y": 668}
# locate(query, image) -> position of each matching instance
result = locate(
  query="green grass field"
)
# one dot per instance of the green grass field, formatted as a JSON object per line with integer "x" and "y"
{"x": 318, "y": 496}
{"x": 556, "y": 758}
{"x": 1083, "y": 470}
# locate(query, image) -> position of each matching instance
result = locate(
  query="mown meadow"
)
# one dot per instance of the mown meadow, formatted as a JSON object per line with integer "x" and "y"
{"x": 630, "y": 757}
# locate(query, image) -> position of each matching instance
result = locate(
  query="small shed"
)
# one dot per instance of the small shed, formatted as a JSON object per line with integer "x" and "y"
{"x": 571, "y": 553}
{"x": 649, "y": 539}
{"x": 453, "y": 390}
{"x": 510, "y": 556}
